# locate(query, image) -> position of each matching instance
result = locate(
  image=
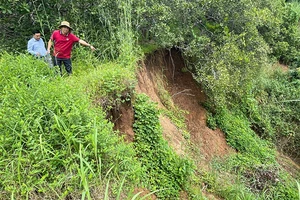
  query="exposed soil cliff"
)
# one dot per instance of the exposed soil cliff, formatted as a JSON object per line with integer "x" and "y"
{"x": 167, "y": 69}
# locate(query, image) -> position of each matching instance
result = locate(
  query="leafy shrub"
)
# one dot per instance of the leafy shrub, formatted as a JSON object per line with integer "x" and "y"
{"x": 211, "y": 121}
{"x": 279, "y": 106}
{"x": 285, "y": 42}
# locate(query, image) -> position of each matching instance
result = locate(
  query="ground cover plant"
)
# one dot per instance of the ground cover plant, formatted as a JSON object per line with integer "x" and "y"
{"x": 159, "y": 160}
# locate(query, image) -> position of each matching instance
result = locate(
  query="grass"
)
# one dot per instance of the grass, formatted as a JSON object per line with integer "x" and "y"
{"x": 298, "y": 185}
{"x": 53, "y": 136}
{"x": 170, "y": 110}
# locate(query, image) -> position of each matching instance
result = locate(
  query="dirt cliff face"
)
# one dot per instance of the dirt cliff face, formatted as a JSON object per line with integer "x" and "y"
{"x": 167, "y": 69}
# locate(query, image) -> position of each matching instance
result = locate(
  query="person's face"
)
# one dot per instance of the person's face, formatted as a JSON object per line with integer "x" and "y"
{"x": 65, "y": 30}
{"x": 37, "y": 36}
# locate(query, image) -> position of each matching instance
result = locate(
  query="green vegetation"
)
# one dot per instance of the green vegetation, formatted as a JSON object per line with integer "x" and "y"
{"x": 255, "y": 161}
{"x": 158, "y": 159}
{"x": 57, "y": 140}
{"x": 52, "y": 137}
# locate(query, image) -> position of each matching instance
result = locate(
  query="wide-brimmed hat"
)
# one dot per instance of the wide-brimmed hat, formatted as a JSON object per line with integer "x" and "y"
{"x": 66, "y": 24}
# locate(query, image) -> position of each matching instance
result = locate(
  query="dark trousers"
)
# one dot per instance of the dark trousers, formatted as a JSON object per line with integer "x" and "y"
{"x": 67, "y": 63}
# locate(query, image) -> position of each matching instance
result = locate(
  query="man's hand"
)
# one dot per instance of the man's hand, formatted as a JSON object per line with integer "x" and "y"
{"x": 92, "y": 48}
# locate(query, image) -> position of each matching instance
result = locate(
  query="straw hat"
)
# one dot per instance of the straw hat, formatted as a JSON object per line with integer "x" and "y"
{"x": 66, "y": 24}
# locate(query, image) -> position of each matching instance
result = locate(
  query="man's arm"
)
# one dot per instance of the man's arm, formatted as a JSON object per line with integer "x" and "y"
{"x": 49, "y": 46}
{"x": 84, "y": 43}
{"x": 29, "y": 48}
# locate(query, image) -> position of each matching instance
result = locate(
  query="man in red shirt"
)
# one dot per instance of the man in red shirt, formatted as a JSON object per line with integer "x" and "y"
{"x": 63, "y": 41}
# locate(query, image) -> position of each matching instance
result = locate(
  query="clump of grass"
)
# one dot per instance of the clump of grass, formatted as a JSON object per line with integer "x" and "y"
{"x": 172, "y": 111}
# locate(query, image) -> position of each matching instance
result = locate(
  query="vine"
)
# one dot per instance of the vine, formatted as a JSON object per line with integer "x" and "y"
{"x": 164, "y": 170}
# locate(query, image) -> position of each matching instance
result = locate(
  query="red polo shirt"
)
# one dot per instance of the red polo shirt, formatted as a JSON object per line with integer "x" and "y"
{"x": 63, "y": 44}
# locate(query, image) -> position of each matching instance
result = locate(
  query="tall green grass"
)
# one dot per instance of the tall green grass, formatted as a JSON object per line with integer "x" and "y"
{"x": 298, "y": 185}
{"x": 53, "y": 138}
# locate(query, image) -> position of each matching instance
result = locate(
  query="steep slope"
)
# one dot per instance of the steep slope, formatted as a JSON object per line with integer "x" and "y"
{"x": 166, "y": 69}
{"x": 164, "y": 78}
